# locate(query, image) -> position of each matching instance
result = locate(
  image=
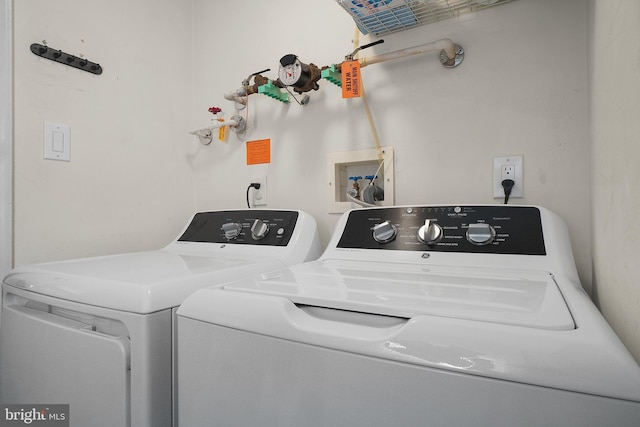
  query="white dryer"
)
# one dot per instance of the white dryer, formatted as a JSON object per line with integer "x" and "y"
{"x": 99, "y": 333}
{"x": 413, "y": 316}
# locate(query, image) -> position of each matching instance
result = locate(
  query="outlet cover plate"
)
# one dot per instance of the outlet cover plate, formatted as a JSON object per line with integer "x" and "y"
{"x": 259, "y": 197}
{"x": 518, "y": 187}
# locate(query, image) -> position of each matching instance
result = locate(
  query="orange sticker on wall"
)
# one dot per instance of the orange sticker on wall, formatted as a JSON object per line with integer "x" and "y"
{"x": 350, "y": 79}
{"x": 258, "y": 151}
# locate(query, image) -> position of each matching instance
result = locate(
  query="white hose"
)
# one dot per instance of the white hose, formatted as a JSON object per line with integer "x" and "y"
{"x": 360, "y": 202}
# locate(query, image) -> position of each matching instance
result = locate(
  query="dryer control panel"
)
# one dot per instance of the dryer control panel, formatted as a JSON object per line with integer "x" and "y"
{"x": 252, "y": 226}
{"x": 470, "y": 229}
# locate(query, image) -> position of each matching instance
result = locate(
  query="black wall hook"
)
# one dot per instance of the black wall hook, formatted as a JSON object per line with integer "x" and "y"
{"x": 65, "y": 58}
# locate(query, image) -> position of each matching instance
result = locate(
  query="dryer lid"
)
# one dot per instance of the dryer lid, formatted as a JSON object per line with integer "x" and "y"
{"x": 528, "y": 298}
{"x": 142, "y": 282}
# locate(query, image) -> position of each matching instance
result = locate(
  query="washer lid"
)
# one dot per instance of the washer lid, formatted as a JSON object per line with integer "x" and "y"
{"x": 528, "y": 298}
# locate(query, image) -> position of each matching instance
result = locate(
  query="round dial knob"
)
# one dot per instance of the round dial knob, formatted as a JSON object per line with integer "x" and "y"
{"x": 231, "y": 230}
{"x": 384, "y": 232}
{"x": 259, "y": 229}
{"x": 480, "y": 234}
{"x": 430, "y": 233}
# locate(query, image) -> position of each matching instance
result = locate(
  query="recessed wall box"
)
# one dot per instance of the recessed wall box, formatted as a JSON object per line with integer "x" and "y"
{"x": 342, "y": 165}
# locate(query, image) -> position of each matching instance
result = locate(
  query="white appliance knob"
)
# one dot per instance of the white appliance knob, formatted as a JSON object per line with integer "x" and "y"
{"x": 259, "y": 229}
{"x": 231, "y": 230}
{"x": 384, "y": 232}
{"x": 430, "y": 233}
{"x": 480, "y": 234}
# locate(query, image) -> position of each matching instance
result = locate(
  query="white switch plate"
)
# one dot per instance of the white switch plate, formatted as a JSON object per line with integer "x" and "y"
{"x": 57, "y": 141}
{"x": 503, "y": 167}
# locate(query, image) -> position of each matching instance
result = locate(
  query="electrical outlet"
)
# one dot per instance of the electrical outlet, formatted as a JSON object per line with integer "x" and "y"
{"x": 259, "y": 196}
{"x": 508, "y": 172}
{"x": 508, "y": 167}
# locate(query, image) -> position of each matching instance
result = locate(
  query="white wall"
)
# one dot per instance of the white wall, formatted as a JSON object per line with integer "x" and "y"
{"x": 6, "y": 137}
{"x": 129, "y": 184}
{"x": 615, "y": 130}
{"x": 522, "y": 89}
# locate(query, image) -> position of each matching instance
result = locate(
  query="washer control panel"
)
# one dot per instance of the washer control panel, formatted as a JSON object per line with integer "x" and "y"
{"x": 472, "y": 229}
{"x": 252, "y": 226}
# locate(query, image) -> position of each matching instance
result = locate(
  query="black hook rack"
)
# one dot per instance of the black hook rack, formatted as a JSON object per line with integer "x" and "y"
{"x": 65, "y": 58}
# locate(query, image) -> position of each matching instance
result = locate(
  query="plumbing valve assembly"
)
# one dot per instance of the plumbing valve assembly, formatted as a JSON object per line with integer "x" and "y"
{"x": 299, "y": 77}
{"x": 237, "y": 123}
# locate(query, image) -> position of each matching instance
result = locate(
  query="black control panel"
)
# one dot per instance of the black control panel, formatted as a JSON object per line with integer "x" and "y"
{"x": 253, "y": 227}
{"x": 470, "y": 229}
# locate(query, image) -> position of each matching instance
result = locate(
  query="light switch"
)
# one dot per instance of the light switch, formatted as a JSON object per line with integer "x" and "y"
{"x": 57, "y": 141}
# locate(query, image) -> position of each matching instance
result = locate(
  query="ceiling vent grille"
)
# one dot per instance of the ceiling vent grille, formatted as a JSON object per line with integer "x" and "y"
{"x": 380, "y": 17}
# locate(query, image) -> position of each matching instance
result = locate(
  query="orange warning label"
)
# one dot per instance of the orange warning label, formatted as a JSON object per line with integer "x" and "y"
{"x": 258, "y": 151}
{"x": 222, "y": 132}
{"x": 350, "y": 79}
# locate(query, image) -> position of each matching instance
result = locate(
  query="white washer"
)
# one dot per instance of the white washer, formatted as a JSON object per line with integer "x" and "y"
{"x": 98, "y": 333}
{"x": 413, "y": 316}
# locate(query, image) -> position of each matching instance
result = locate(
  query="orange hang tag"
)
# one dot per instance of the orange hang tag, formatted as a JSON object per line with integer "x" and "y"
{"x": 222, "y": 132}
{"x": 351, "y": 79}
{"x": 258, "y": 151}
